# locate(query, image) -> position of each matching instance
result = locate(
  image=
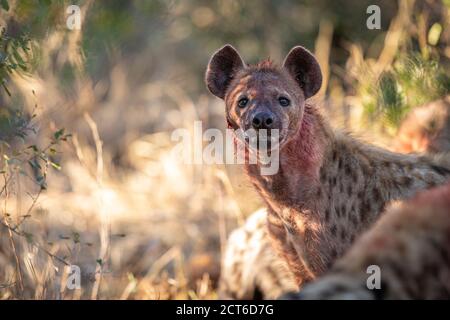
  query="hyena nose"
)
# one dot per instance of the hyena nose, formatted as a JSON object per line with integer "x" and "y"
{"x": 262, "y": 120}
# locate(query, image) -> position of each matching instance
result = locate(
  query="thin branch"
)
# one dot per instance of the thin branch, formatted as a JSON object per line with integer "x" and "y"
{"x": 37, "y": 245}
{"x": 6, "y": 183}
{"x": 11, "y": 239}
{"x": 7, "y": 285}
{"x": 105, "y": 230}
{"x": 29, "y": 209}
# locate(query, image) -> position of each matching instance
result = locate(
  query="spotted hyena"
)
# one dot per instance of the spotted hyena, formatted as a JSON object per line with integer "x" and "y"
{"x": 330, "y": 186}
{"x": 410, "y": 245}
{"x": 425, "y": 129}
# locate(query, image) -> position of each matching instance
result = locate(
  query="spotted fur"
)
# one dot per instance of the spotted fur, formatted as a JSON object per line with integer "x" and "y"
{"x": 315, "y": 213}
{"x": 330, "y": 187}
{"x": 250, "y": 267}
{"x": 411, "y": 246}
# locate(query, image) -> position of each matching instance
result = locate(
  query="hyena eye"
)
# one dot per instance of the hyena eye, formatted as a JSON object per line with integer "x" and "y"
{"x": 284, "y": 102}
{"x": 242, "y": 102}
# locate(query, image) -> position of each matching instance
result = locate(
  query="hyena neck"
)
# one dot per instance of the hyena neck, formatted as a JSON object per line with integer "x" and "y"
{"x": 304, "y": 153}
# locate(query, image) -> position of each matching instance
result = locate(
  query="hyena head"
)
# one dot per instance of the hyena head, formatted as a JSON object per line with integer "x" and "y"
{"x": 264, "y": 96}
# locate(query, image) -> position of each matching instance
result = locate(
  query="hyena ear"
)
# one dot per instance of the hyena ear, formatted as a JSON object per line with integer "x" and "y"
{"x": 221, "y": 68}
{"x": 305, "y": 69}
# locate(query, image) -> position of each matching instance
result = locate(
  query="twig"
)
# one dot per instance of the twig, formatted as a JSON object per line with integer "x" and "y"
{"x": 37, "y": 245}
{"x": 105, "y": 228}
{"x": 6, "y": 183}
{"x": 322, "y": 51}
{"x": 11, "y": 239}
{"x": 162, "y": 261}
{"x": 16, "y": 257}
{"x": 98, "y": 146}
{"x": 7, "y": 285}
{"x": 29, "y": 209}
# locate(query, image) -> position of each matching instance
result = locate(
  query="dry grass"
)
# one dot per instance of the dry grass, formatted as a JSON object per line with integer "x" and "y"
{"x": 157, "y": 225}
{"x": 149, "y": 227}
{"x": 139, "y": 224}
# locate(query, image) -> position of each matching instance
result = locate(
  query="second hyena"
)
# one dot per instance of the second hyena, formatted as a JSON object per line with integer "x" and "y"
{"x": 330, "y": 186}
{"x": 250, "y": 268}
{"x": 426, "y": 128}
{"x": 410, "y": 247}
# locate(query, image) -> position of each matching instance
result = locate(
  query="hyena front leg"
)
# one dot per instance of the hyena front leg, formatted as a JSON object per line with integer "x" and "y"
{"x": 284, "y": 246}
{"x": 251, "y": 268}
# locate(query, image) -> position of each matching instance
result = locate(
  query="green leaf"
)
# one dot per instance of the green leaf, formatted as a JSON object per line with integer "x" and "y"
{"x": 34, "y": 148}
{"x": 6, "y": 89}
{"x": 58, "y": 134}
{"x": 29, "y": 237}
{"x": 76, "y": 237}
{"x": 35, "y": 164}
{"x": 41, "y": 182}
{"x": 55, "y": 165}
{"x": 5, "y": 5}
{"x": 434, "y": 34}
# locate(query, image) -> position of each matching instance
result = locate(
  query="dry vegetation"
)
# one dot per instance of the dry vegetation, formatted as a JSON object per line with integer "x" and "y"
{"x": 117, "y": 202}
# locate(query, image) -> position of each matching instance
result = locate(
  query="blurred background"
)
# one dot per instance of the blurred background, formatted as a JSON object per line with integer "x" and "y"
{"x": 87, "y": 172}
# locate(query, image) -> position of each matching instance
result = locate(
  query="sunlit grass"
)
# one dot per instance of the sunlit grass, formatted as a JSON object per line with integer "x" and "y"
{"x": 138, "y": 222}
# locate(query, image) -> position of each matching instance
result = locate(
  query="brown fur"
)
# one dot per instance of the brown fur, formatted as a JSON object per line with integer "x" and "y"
{"x": 316, "y": 211}
{"x": 426, "y": 128}
{"x": 250, "y": 267}
{"x": 330, "y": 187}
{"x": 410, "y": 244}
